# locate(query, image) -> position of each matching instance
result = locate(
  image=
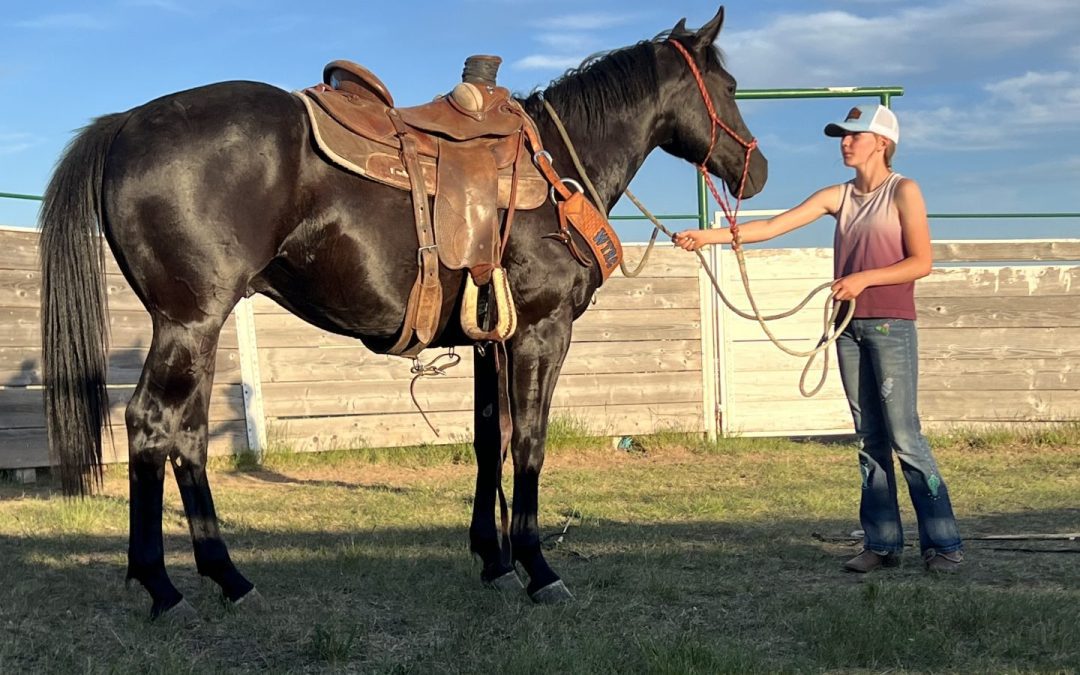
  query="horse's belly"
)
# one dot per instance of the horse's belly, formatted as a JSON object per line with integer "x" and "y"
{"x": 340, "y": 282}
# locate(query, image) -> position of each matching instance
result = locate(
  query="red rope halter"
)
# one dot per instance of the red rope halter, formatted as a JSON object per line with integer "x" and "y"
{"x": 729, "y": 214}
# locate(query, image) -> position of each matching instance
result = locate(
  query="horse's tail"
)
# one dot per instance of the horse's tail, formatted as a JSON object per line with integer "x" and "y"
{"x": 74, "y": 320}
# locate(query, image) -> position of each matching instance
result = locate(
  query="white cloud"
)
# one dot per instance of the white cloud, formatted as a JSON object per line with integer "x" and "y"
{"x": 164, "y": 5}
{"x": 587, "y": 21}
{"x": 844, "y": 48}
{"x": 13, "y": 143}
{"x": 72, "y": 20}
{"x": 548, "y": 62}
{"x": 1015, "y": 110}
{"x": 567, "y": 42}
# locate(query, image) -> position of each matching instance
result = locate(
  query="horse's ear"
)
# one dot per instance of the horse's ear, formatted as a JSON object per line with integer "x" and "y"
{"x": 707, "y": 34}
{"x": 680, "y": 28}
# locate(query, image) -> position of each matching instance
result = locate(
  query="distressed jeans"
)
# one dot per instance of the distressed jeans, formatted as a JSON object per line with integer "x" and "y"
{"x": 879, "y": 366}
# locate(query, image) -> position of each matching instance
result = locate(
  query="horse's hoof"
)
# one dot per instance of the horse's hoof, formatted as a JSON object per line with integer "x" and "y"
{"x": 180, "y": 614}
{"x": 252, "y": 601}
{"x": 507, "y": 583}
{"x": 553, "y": 594}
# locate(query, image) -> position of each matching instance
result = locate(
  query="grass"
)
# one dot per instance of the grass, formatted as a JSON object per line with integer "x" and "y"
{"x": 685, "y": 556}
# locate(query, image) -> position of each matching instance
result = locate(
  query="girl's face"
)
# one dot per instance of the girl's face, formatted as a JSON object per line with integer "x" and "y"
{"x": 858, "y": 148}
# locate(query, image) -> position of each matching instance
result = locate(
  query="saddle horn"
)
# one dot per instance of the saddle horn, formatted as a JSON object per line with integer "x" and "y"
{"x": 479, "y": 73}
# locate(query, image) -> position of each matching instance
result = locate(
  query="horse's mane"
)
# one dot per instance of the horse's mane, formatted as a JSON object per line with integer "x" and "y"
{"x": 607, "y": 81}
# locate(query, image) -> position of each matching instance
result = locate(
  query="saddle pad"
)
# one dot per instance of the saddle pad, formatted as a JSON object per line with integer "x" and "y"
{"x": 381, "y": 161}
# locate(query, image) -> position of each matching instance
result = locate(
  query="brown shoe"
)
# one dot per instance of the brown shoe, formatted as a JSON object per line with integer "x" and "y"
{"x": 943, "y": 563}
{"x": 868, "y": 561}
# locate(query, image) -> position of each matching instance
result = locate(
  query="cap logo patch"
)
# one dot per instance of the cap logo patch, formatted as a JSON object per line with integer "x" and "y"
{"x": 853, "y": 114}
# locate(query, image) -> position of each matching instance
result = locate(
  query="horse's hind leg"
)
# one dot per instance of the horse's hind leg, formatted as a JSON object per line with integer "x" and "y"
{"x": 483, "y": 534}
{"x": 167, "y": 418}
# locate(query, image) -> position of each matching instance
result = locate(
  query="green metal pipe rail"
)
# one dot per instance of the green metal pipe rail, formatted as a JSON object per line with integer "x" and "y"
{"x": 883, "y": 94}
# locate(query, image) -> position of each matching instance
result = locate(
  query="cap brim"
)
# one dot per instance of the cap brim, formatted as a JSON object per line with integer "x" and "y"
{"x": 835, "y": 130}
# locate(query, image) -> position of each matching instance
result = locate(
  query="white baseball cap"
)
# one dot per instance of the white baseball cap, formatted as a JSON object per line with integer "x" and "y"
{"x": 871, "y": 117}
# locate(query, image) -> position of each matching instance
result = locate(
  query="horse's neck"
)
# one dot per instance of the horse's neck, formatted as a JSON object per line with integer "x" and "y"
{"x": 611, "y": 160}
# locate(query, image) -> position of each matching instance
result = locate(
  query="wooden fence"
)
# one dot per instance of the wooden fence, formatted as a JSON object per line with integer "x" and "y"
{"x": 999, "y": 344}
{"x": 999, "y": 339}
{"x": 635, "y": 367}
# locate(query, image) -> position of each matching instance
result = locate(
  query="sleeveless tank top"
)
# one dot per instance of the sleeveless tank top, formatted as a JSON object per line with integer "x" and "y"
{"x": 867, "y": 237}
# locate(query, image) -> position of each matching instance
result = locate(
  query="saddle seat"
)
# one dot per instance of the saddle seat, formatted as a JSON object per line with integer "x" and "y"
{"x": 354, "y": 122}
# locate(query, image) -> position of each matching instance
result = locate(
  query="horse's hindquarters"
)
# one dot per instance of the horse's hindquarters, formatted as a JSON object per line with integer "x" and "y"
{"x": 200, "y": 188}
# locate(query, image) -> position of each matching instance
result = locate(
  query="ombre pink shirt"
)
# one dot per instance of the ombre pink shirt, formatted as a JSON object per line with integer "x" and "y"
{"x": 867, "y": 237}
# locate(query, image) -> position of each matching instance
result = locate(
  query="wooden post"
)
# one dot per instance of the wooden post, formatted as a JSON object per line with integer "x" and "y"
{"x": 250, "y": 376}
{"x": 710, "y": 362}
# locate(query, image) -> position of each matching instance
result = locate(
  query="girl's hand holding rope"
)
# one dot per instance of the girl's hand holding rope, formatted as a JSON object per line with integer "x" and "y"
{"x": 692, "y": 240}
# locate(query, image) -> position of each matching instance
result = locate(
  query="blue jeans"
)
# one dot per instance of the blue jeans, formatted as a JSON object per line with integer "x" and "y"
{"x": 879, "y": 366}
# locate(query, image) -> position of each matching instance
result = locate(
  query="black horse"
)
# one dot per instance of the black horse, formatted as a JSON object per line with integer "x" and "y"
{"x": 209, "y": 195}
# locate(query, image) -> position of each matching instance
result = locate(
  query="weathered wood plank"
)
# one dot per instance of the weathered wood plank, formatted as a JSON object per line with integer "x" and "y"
{"x": 19, "y": 251}
{"x": 326, "y": 433}
{"x": 998, "y": 343}
{"x": 22, "y": 408}
{"x": 21, "y": 366}
{"x": 1007, "y": 251}
{"x": 990, "y": 311}
{"x": 1052, "y": 311}
{"x": 445, "y": 395}
{"x": 764, "y": 264}
{"x": 618, "y": 293}
{"x": 664, "y": 262}
{"x": 285, "y": 330}
{"x": 775, "y": 295}
{"x": 999, "y": 281}
{"x": 814, "y": 263}
{"x": 999, "y": 375}
{"x": 600, "y": 325}
{"x": 25, "y": 448}
{"x": 1018, "y": 406}
{"x": 934, "y": 343}
{"x": 789, "y": 416}
{"x": 780, "y": 385}
{"x": 335, "y": 364}
{"x": 22, "y": 289}
{"x": 127, "y": 329}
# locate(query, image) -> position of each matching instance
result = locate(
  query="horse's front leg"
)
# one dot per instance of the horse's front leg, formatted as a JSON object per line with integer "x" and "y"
{"x": 537, "y": 353}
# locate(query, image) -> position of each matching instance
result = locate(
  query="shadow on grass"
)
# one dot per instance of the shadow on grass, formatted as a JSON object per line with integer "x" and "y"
{"x": 264, "y": 475}
{"x": 759, "y": 596}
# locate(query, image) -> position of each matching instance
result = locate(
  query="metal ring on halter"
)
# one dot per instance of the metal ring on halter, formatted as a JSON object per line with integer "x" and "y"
{"x": 567, "y": 181}
{"x": 542, "y": 153}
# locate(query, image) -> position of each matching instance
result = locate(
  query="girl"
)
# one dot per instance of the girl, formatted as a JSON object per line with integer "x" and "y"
{"x": 881, "y": 246}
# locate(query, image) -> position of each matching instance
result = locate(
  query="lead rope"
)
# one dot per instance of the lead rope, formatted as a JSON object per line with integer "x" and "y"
{"x": 831, "y": 330}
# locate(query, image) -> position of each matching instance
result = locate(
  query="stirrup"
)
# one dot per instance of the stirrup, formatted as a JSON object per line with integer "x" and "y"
{"x": 504, "y": 307}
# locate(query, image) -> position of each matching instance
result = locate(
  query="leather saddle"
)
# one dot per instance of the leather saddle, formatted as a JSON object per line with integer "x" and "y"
{"x": 465, "y": 150}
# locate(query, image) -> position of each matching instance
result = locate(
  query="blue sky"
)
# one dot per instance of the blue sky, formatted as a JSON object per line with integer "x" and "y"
{"x": 990, "y": 118}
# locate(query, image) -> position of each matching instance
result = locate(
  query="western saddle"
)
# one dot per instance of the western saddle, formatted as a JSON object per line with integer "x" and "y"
{"x": 465, "y": 151}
